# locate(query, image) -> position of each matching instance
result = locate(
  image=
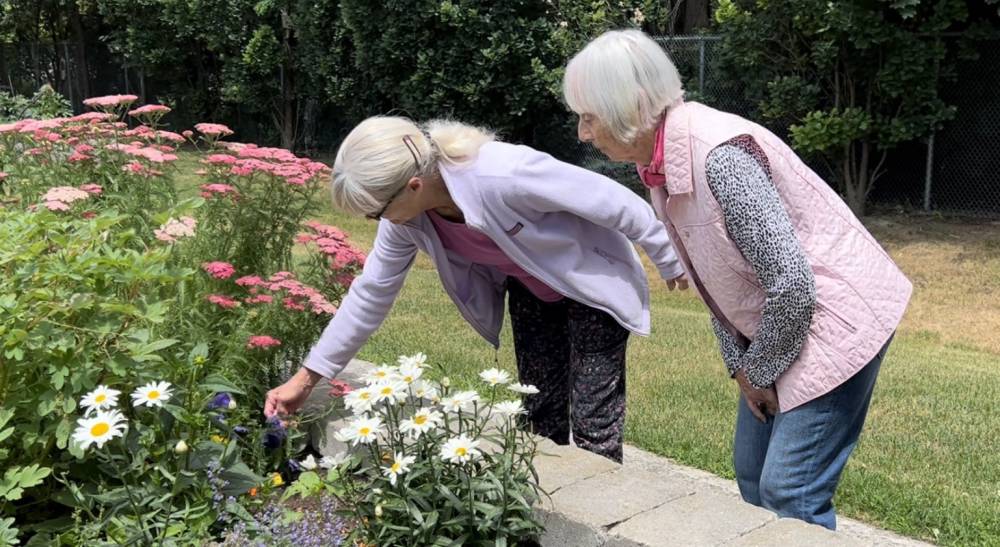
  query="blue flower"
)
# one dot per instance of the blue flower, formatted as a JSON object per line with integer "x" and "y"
{"x": 220, "y": 401}
{"x": 275, "y": 433}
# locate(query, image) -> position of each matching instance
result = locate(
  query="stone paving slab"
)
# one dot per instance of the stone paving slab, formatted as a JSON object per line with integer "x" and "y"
{"x": 607, "y": 499}
{"x": 704, "y": 518}
{"x": 793, "y": 533}
{"x": 650, "y": 501}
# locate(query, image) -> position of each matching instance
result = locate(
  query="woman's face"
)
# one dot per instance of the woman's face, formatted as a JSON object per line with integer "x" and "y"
{"x": 406, "y": 204}
{"x": 590, "y": 129}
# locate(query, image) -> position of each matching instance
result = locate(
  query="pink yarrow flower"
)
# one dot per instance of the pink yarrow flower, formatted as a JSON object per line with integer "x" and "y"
{"x": 222, "y": 301}
{"x": 262, "y": 341}
{"x": 110, "y": 101}
{"x": 175, "y": 229}
{"x": 219, "y": 270}
{"x": 91, "y": 188}
{"x": 249, "y": 281}
{"x": 213, "y": 129}
{"x": 59, "y": 198}
{"x": 149, "y": 109}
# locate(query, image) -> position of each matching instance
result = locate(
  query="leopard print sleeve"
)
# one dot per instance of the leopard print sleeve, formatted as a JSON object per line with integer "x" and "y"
{"x": 739, "y": 176}
{"x": 731, "y": 350}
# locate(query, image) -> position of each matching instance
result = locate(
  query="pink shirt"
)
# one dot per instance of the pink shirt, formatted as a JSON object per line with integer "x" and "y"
{"x": 479, "y": 248}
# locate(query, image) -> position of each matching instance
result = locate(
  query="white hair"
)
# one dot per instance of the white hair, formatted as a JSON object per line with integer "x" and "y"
{"x": 624, "y": 79}
{"x": 375, "y": 160}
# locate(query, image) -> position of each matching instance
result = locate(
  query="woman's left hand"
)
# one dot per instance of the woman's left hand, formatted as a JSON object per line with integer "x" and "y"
{"x": 680, "y": 282}
{"x": 762, "y": 402}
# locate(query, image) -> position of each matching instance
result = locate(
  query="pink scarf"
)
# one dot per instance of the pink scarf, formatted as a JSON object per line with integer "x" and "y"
{"x": 652, "y": 175}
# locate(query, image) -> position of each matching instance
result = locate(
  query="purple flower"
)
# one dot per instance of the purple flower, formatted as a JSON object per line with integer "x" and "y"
{"x": 275, "y": 433}
{"x": 220, "y": 401}
{"x": 240, "y": 430}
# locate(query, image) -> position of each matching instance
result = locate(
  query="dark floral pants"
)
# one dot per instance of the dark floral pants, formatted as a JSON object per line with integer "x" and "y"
{"x": 575, "y": 356}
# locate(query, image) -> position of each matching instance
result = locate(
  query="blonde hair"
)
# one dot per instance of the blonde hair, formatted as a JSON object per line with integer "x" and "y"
{"x": 625, "y": 79}
{"x": 375, "y": 160}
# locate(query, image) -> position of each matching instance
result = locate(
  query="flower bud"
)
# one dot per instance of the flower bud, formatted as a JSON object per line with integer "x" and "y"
{"x": 445, "y": 382}
{"x": 378, "y": 510}
{"x": 181, "y": 447}
{"x": 232, "y": 404}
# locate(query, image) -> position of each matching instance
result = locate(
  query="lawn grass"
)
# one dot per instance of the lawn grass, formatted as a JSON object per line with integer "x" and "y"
{"x": 928, "y": 464}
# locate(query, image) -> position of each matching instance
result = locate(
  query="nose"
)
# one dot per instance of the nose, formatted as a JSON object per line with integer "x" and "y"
{"x": 582, "y": 132}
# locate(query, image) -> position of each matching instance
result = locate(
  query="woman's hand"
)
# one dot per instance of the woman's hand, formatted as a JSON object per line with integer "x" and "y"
{"x": 762, "y": 402}
{"x": 680, "y": 282}
{"x": 288, "y": 397}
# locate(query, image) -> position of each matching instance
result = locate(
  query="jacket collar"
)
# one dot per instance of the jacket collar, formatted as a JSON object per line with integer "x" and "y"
{"x": 677, "y": 161}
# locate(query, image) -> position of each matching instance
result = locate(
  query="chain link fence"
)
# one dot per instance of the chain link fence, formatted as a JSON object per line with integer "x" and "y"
{"x": 957, "y": 170}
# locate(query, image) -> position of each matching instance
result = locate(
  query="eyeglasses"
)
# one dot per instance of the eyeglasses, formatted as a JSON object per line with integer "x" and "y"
{"x": 416, "y": 160}
{"x": 378, "y": 215}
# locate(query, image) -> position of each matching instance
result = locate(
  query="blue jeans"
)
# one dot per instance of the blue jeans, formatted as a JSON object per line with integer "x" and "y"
{"x": 791, "y": 465}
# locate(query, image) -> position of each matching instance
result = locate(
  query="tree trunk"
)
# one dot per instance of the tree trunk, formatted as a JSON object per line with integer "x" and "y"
{"x": 696, "y": 15}
{"x": 80, "y": 69}
{"x": 857, "y": 179}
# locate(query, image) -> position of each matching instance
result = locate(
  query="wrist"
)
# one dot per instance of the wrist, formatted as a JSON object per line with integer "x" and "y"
{"x": 308, "y": 378}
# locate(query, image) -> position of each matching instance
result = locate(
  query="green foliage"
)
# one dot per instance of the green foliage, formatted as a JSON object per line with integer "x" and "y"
{"x": 464, "y": 476}
{"x": 851, "y": 79}
{"x": 104, "y": 282}
{"x": 45, "y": 103}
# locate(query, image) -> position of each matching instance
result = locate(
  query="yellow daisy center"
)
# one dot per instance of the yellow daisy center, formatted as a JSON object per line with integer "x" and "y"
{"x": 153, "y": 395}
{"x": 100, "y": 398}
{"x": 364, "y": 395}
{"x": 99, "y": 429}
{"x": 420, "y": 420}
{"x": 407, "y": 379}
{"x": 387, "y": 391}
{"x": 396, "y": 467}
{"x": 365, "y": 431}
{"x": 460, "y": 451}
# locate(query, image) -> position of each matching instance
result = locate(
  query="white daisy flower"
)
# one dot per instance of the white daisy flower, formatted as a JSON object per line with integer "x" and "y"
{"x": 309, "y": 463}
{"x": 383, "y": 373}
{"x": 495, "y": 376}
{"x": 410, "y": 373}
{"x": 460, "y": 402}
{"x": 400, "y": 465}
{"x": 390, "y": 392}
{"x": 326, "y": 462}
{"x": 424, "y": 390}
{"x": 422, "y": 421}
{"x": 526, "y": 389}
{"x": 99, "y": 429}
{"x": 362, "y": 430}
{"x": 509, "y": 408}
{"x": 360, "y": 400}
{"x": 461, "y": 449}
{"x": 101, "y": 398}
{"x": 152, "y": 394}
{"x": 416, "y": 360}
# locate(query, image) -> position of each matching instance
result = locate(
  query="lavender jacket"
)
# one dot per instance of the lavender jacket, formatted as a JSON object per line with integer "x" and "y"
{"x": 570, "y": 228}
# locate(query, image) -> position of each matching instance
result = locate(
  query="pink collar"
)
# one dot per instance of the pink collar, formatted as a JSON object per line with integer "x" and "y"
{"x": 652, "y": 175}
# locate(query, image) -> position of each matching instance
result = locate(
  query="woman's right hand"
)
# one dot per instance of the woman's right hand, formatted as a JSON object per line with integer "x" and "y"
{"x": 287, "y": 398}
{"x": 763, "y": 403}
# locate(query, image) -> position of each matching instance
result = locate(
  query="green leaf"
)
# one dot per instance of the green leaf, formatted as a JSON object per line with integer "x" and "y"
{"x": 17, "y": 479}
{"x": 216, "y": 383}
{"x": 8, "y": 534}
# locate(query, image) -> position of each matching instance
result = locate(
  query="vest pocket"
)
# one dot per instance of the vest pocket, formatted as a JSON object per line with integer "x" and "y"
{"x": 823, "y": 310}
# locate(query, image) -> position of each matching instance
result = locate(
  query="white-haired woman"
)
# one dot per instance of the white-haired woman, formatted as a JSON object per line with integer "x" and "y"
{"x": 498, "y": 218}
{"x": 803, "y": 300}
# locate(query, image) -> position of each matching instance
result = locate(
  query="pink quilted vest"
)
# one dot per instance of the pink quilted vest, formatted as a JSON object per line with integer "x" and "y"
{"x": 861, "y": 293}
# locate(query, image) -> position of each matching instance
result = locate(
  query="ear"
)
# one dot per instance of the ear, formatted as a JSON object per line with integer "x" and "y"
{"x": 415, "y": 183}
